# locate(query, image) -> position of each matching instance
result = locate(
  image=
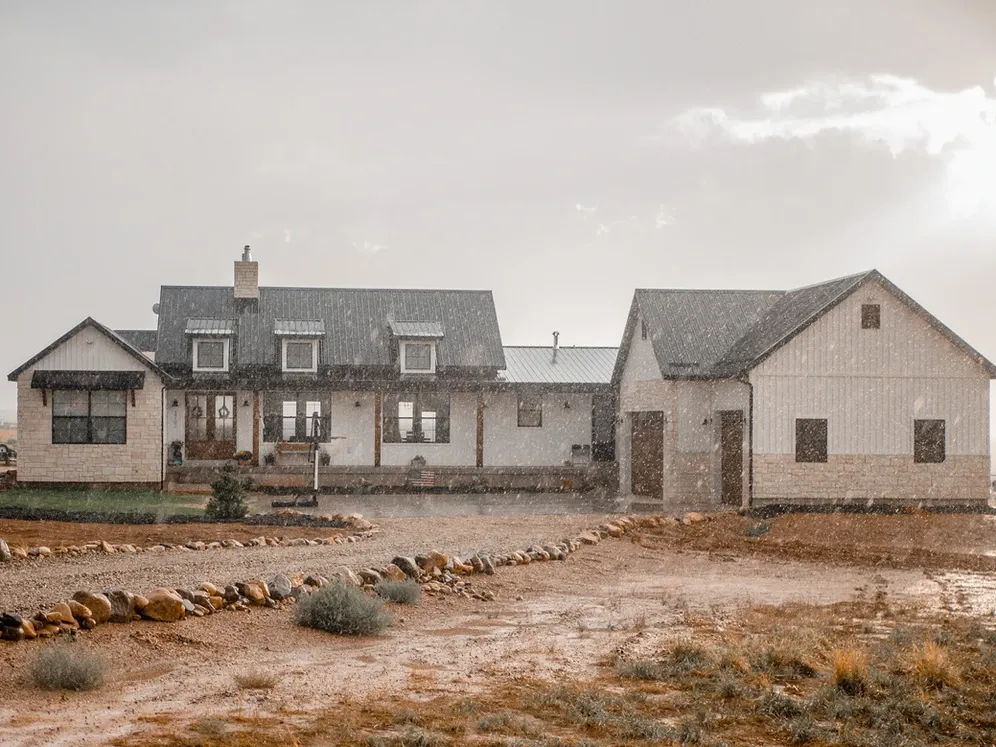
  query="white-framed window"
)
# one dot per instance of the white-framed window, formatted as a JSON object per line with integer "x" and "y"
{"x": 300, "y": 356}
{"x": 418, "y": 357}
{"x": 211, "y": 354}
{"x": 530, "y": 411}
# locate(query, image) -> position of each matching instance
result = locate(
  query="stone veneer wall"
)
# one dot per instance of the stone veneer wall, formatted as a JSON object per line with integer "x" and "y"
{"x": 778, "y": 478}
{"x": 137, "y": 461}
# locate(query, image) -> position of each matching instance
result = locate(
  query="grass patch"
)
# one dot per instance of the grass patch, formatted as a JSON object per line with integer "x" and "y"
{"x": 677, "y": 661}
{"x": 932, "y": 668}
{"x": 256, "y": 679}
{"x": 102, "y": 501}
{"x": 850, "y": 670}
{"x": 399, "y": 592}
{"x": 344, "y": 610}
{"x": 66, "y": 666}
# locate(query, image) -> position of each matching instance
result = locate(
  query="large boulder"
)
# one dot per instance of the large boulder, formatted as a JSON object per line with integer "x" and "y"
{"x": 280, "y": 587}
{"x": 122, "y": 605}
{"x": 165, "y": 605}
{"x": 407, "y": 565}
{"x": 394, "y": 573}
{"x": 435, "y": 559}
{"x": 5, "y": 554}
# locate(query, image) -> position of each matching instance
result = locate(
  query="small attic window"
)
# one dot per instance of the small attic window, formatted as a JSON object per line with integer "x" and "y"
{"x": 643, "y": 330}
{"x": 871, "y": 316}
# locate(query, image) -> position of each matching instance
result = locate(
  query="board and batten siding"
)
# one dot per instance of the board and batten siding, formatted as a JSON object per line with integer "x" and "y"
{"x": 508, "y": 445}
{"x": 139, "y": 460}
{"x": 870, "y": 385}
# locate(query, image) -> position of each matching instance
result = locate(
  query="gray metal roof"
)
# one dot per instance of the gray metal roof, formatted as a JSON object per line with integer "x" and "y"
{"x": 141, "y": 339}
{"x": 210, "y": 327}
{"x": 299, "y": 328}
{"x": 534, "y": 365}
{"x": 356, "y": 323}
{"x": 414, "y": 330}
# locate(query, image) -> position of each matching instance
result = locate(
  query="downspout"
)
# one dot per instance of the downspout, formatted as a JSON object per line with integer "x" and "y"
{"x": 749, "y": 502}
{"x": 162, "y": 438}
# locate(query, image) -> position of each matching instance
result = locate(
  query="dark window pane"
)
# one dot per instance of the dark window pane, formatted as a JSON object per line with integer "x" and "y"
{"x": 108, "y": 430}
{"x": 418, "y": 356}
{"x": 299, "y": 355}
{"x": 210, "y": 354}
{"x": 928, "y": 441}
{"x": 871, "y": 316}
{"x": 811, "y": 440}
{"x": 530, "y": 411}
{"x": 72, "y": 430}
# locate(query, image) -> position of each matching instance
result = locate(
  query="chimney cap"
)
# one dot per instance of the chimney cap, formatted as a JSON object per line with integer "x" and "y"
{"x": 246, "y": 256}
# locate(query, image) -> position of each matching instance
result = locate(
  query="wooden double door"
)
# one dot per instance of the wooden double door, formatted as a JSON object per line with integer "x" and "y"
{"x": 210, "y": 425}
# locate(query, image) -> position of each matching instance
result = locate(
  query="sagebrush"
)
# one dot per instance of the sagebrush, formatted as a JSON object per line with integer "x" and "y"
{"x": 345, "y": 610}
{"x": 68, "y": 667}
{"x": 401, "y": 592}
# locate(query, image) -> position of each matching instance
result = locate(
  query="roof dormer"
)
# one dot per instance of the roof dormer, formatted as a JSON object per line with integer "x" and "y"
{"x": 300, "y": 341}
{"x": 211, "y": 344}
{"x": 417, "y": 345}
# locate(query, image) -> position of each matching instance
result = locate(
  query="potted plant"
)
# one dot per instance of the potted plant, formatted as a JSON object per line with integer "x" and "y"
{"x": 270, "y": 459}
{"x": 175, "y": 454}
{"x": 324, "y": 458}
{"x": 243, "y": 457}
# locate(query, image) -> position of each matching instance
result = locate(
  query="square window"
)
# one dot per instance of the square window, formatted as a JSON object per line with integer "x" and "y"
{"x": 417, "y": 356}
{"x": 811, "y": 440}
{"x": 299, "y": 356}
{"x": 871, "y": 316}
{"x": 210, "y": 355}
{"x": 530, "y": 411}
{"x": 928, "y": 441}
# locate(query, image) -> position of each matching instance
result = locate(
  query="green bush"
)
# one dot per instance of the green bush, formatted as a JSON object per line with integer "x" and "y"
{"x": 401, "y": 592}
{"x": 343, "y": 609}
{"x": 68, "y": 667}
{"x": 228, "y": 501}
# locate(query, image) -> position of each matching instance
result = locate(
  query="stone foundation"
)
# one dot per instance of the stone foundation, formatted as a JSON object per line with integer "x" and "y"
{"x": 850, "y": 478}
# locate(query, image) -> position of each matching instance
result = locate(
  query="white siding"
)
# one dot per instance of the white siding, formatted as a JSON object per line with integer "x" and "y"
{"x": 461, "y": 451}
{"x": 89, "y": 350}
{"x": 871, "y": 384}
{"x": 174, "y": 418}
{"x": 641, "y": 362}
{"x": 505, "y": 444}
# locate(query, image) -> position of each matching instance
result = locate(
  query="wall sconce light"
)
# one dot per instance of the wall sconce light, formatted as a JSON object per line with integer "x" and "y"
{"x": 706, "y": 421}
{"x": 567, "y": 405}
{"x": 356, "y": 403}
{"x": 245, "y": 403}
{"x": 176, "y": 403}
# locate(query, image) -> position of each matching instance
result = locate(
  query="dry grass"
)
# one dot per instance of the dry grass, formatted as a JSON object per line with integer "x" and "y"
{"x": 66, "y": 666}
{"x": 850, "y": 670}
{"x": 932, "y": 668}
{"x": 256, "y": 679}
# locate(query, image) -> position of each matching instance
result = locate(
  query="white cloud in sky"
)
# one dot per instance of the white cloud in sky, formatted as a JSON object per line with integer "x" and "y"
{"x": 884, "y": 111}
{"x": 367, "y": 247}
{"x": 287, "y": 236}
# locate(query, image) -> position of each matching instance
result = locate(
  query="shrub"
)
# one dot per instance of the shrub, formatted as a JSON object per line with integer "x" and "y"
{"x": 932, "y": 668}
{"x": 228, "y": 501}
{"x": 757, "y": 530}
{"x": 784, "y": 661}
{"x": 256, "y": 679}
{"x": 778, "y": 706}
{"x": 804, "y": 730}
{"x": 401, "y": 592}
{"x": 850, "y": 671}
{"x": 343, "y": 609}
{"x": 68, "y": 667}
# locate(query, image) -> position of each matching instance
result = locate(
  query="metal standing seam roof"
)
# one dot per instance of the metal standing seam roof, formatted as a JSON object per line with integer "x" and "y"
{"x": 355, "y": 320}
{"x": 210, "y": 327}
{"x": 299, "y": 328}
{"x": 534, "y": 365}
{"x": 416, "y": 330}
{"x": 140, "y": 339}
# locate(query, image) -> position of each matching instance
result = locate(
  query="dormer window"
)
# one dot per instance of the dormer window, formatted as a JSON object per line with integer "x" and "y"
{"x": 300, "y": 356}
{"x": 871, "y": 316}
{"x": 211, "y": 354}
{"x": 418, "y": 357}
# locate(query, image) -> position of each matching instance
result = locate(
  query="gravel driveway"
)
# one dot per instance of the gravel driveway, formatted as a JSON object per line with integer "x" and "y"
{"x": 28, "y": 585}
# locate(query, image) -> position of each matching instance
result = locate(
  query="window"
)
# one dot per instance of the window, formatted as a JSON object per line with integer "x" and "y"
{"x": 530, "y": 411}
{"x": 643, "y": 330}
{"x": 871, "y": 316}
{"x": 81, "y": 417}
{"x": 300, "y": 355}
{"x": 289, "y": 416}
{"x": 811, "y": 440}
{"x": 211, "y": 355}
{"x": 417, "y": 418}
{"x": 928, "y": 441}
{"x": 418, "y": 357}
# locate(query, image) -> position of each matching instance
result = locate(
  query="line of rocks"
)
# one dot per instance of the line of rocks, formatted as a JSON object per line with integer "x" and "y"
{"x": 436, "y": 572}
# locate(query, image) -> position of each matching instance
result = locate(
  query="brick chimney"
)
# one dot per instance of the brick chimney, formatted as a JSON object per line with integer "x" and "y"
{"x": 246, "y": 276}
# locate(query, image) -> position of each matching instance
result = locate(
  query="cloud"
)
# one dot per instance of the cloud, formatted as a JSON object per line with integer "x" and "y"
{"x": 663, "y": 218}
{"x": 367, "y": 247}
{"x": 893, "y": 113}
{"x": 287, "y": 236}
{"x": 582, "y": 209}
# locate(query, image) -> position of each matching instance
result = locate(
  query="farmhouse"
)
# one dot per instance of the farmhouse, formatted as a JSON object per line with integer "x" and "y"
{"x": 846, "y": 391}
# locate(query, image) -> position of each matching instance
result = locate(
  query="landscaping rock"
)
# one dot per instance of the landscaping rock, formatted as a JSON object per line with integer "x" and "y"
{"x": 106, "y": 547}
{"x": 189, "y": 607}
{"x": 252, "y": 592}
{"x": 280, "y": 587}
{"x": 98, "y": 604}
{"x": 165, "y": 605}
{"x": 407, "y": 565}
{"x": 435, "y": 559}
{"x": 394, "y": 573}
{"x": 80, "y": 611}
{"x": 211, "y": 589}
{"x": 19, "y": 552}
{"x": 370, "y": 576}
{"x": 39, "y": 552}
{"x": 29, "y": 629}
{"x": 122, "y": 605}
{"x": 140, "y": 602}
{"x": 5, "y": 554}
{"x": 88, "y": 623}
{"x": 231, "y": 594}
{"x": 692, "y": 517}
{"x": 347, "y": 576}
{"x": 64, "y": 612}
{"x": 216, "y": 601}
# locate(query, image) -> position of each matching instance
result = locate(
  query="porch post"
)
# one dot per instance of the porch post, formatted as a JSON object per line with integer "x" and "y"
{"x": 377, "y": 428}
{"x": 480, "y": 429}
{"x": 255, "y": 428}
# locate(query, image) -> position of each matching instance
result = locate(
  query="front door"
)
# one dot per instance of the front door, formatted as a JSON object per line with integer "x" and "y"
{"x": 210, "y": 426}
{"x": 647, "y": 471}
{"x": 731, "y": 443}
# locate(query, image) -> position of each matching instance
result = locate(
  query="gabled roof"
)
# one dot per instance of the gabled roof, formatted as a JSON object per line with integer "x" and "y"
{"x": 140, "y": 339}
{"x": 534, "y": 365}
{"x": 356, "y": 323}
{"x": 724, "y": 333}
{"x": 107, "y": 332}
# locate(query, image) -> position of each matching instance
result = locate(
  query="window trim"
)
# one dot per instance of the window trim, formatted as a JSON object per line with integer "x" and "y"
{"x": 314, "y": 355}
{"x": 871, "y": 316}
{"x": 226, "y": 346}
{"x": 404, "y": 357}
{"x": 918, "y": 453}
{"x": 538, "y": 398}
{"x": 89, "y": 417}
{"x": 812, "y": 456}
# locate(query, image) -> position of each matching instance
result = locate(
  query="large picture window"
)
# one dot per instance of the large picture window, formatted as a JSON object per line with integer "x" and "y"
{"x": 289, "y": 416}
{"x": 417, "y": 418}
{"x": 85, "y": 417}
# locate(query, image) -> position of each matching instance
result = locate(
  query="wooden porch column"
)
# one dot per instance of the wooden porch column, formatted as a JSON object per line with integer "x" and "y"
{"x": 377, "y": 429}
{"x": 255, "y": 429}
{"x": 480, "y": 429}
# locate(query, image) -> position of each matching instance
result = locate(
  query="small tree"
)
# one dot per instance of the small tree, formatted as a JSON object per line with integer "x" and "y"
{"x": 228, "y": 501}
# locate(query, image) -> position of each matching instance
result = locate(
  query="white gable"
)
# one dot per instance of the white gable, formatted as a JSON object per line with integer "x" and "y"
{"x": 641, "y": 363}
{"x": 87, "y": 350}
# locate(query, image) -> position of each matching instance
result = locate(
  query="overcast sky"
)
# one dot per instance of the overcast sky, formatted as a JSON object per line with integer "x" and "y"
{"x": 560, "y": 153}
